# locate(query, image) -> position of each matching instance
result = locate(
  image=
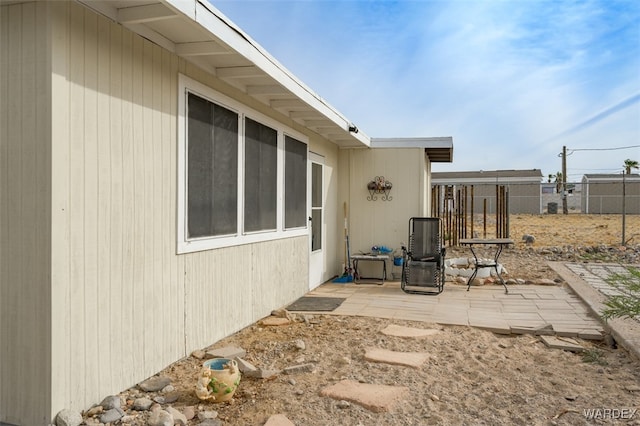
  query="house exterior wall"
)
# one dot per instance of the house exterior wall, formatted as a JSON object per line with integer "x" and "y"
{"x": 88, "y": 218}
{"x": 604, "y": 196}
{"x": 382, "y": 222}
{"x": 25, "y": 217}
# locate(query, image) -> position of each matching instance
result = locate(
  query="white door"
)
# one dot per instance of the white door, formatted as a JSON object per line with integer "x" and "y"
{"x": 316, "y": 218}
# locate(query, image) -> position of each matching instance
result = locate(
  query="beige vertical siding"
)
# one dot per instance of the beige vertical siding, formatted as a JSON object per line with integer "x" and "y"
{"x": 60, "y": 175}
{"x": 25, "y": 225}
{"x": 92, "y": 293}
{"x": 232, "y": 288}
{"x": 125, "y": 295}
{"x": 383, "y": 222}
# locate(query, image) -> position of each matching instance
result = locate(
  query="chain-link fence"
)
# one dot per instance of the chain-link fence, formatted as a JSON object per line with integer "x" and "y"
{"x": 527, "y": 198}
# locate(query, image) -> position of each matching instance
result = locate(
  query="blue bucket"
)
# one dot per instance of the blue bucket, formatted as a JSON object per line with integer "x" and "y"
{"x": 398, "y": 261}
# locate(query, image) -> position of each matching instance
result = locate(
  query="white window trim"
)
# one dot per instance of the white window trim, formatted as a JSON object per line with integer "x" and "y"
{"x": 185, "y": 245}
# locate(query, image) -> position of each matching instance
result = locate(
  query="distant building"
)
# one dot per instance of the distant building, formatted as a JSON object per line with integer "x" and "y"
{"x": 548, "y": 188}
{"x": 602, "y": 193}
{"x": 551, "y": 196}
{"x": 523, "y": 187}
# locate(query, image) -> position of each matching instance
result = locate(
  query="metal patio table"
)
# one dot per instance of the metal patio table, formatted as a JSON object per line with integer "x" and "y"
{"x": 500, "y": 243}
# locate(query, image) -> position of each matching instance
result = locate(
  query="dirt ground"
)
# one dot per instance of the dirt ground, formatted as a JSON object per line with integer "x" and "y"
{"x": 572, "y": 238}
{"x": 471, "y": 377}
{"x": 573, "y": 229}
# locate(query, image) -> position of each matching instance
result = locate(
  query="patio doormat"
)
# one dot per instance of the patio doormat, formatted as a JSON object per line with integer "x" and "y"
{"x": 313, "y": 304}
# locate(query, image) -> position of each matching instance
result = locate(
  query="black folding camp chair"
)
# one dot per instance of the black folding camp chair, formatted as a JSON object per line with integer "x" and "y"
{"x": 423, "y": 265}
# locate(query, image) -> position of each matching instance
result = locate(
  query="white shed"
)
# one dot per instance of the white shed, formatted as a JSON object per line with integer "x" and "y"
{"x": 158, "y": 170}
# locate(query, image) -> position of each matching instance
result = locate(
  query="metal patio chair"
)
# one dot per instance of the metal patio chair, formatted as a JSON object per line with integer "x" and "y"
{"x": 423, "y": 265}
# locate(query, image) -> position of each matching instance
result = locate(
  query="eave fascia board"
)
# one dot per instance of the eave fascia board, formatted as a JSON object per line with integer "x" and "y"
{"x": 442, "y": 142}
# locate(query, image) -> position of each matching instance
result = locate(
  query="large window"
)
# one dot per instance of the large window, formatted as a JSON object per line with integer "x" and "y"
{"x": 295, "y": 186}
{"x": 242, "y": 176}
{"x": 260, "y": 176}
{"x": 212, "y": 169}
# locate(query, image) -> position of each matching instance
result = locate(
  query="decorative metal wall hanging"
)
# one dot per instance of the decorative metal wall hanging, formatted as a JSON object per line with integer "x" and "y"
{"x": 379, "y": 185}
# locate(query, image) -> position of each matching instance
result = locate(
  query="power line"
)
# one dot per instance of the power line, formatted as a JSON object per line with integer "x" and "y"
{"x": 571, "y": 151}
{"x": 606, "y": 168}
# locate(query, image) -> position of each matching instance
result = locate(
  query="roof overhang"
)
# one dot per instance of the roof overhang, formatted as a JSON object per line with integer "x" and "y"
{"x": 438, "y": 149}
{"x": 203, "y": 36}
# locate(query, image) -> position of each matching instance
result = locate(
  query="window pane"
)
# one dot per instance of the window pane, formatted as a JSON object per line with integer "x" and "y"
{"x": 295, "y": 183}
{"x": 316, "y": 206}
{"x": 316, "y": 185}
{"x": 212, "y": 139}
{"x": 316, "y": 229}
{"x": 260, "y": 176}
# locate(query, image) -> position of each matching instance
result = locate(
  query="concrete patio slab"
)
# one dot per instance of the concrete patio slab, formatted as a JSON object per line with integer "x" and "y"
{"x": 522, "y": 310}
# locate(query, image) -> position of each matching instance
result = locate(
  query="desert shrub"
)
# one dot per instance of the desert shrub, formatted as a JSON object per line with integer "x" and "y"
{"x": 626, "y": 304}
{"x": 594, "y": 356}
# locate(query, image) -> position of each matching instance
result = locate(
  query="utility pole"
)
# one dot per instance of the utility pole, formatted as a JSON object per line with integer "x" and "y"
{"x": 565, "y": 209}
{"x": 624, "y": 209}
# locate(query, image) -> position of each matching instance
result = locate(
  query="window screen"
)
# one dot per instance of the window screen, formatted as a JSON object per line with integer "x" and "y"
{"x": 316, "y": 206}
{"x": 260, "y": 176}
{"x": 212, "y": 162}
{"x": 295, "y": 183}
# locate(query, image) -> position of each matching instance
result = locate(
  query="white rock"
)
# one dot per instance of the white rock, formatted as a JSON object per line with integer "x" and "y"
{"x": 461, "y": 262}
{"x": 68, "y": 418}
{"x": 203, "y": 415}
{"x": 465, "y": 272}
{"x": 142, "y": 404}
{"x": 454, "y": 272}
{"x": 110, "y": 402}
{"x": 160, "y": 418}
{"x": 178, "y": 418}
{"x": 168, "y": 389}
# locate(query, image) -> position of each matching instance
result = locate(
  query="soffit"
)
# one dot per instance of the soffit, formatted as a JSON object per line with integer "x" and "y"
{"x": 202, "y": 35}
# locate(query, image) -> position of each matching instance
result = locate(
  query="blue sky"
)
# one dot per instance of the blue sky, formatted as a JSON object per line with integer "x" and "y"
{"x": 511, "y": 81}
